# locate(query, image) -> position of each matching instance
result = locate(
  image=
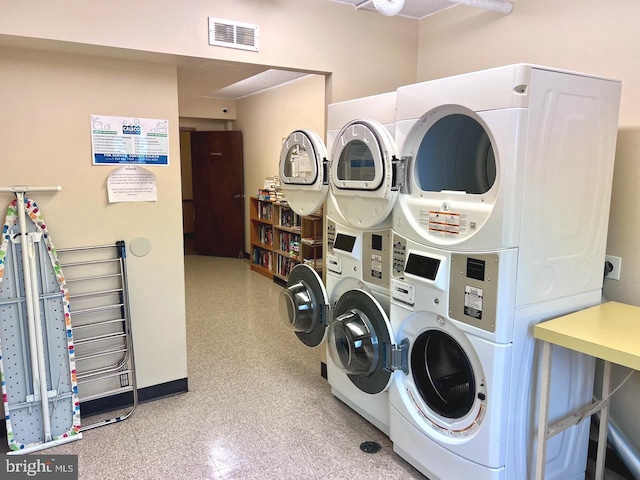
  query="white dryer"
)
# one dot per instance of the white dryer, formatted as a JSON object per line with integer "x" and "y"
{"x": 360, "y": 193}
{"x": 519, "y": 156}
{"x": 507, "y": 190}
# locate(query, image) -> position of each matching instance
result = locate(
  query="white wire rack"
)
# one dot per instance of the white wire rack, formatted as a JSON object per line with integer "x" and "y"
{"x": 97, "y": 282}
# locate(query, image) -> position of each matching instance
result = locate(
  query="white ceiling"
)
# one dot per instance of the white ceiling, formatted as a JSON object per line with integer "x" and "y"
{"x": 258, "y": 83}
{"x": 200, "y": 78}
{"x": 412, "y": 8}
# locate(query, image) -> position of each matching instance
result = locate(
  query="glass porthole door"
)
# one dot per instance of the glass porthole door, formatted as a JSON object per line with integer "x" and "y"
{"x": 363, "y": 178}
{"x": 303, "y": 305}
{"x": 303, "y": 171}
{"x": 443, "y": 374}
{"x": 455, "y": 154}
{"x": 360, "y": 339}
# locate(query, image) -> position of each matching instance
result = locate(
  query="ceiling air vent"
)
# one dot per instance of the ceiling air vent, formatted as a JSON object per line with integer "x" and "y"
{"x": 227, "y": 33}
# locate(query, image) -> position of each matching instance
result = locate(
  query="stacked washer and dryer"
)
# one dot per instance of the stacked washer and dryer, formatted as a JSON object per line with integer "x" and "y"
{"x": 352, "y": 312}
{"x": 500, "y": 223}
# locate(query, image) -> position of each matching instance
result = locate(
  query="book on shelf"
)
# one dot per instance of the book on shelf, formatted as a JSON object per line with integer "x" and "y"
{"x": 265, "y": 211}
{"x": 264, "y": 195}
{"x": 271, "y": 189}
{"x": 266, "y": 235}
{"x": 261, "y": 257}
{"x": 311, "y": 261}
{"x": 317, "y": 263}
{"x": 290, "y": 219}
{"x": 284, "y": 266}
{"x": 313, "y": 241}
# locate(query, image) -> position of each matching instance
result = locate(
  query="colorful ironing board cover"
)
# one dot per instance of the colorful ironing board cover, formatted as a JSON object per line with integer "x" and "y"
{"x": 23, "y": 414}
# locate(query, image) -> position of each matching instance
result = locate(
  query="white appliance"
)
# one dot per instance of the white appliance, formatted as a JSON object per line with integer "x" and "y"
{"x": 355, "y": 303}
{"x": 501, "y": 223}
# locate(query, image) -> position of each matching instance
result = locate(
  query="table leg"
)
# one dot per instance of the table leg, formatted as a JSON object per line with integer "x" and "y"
{"x": 543, "y": 411}
{"x": 604, "y": 421}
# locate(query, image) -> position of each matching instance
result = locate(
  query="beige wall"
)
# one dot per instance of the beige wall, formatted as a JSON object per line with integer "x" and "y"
{"x": 206, "y": 124}
{"x": 583, "y": 35}
{"x": 45, "y": 136}
{"x": 366, "y": 52}
{"x": 207, "y": 108}
{"x": 266, "y": 119}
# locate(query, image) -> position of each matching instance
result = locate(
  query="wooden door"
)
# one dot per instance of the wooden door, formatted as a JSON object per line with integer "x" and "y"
{"x": 216, "y": 162}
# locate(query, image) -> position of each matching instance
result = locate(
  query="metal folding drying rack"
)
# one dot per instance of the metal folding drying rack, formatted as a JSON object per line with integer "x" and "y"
{"x": 97, "y": 282}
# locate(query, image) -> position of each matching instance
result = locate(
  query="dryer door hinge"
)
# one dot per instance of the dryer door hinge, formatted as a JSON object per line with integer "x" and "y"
{"x": 399, "y": 170}
{"x": 325, "y": 171}
{"x": 397, "y": 358}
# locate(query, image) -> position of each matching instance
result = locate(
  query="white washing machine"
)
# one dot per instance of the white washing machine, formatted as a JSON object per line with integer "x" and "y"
{"x": 463, "y": 404}
{"x": 360, "y": 193}
{"x": 501, "y": 223}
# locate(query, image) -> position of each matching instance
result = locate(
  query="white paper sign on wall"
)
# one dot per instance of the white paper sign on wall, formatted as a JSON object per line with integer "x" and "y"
{"x": 132, "y": 183}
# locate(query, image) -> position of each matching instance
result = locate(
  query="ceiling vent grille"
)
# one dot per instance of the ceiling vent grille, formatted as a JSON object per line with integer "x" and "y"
{"x": 227, "y": 33}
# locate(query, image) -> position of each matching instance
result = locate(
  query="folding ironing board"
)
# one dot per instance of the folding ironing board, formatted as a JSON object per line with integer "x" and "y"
{"x": 37, "y": 354}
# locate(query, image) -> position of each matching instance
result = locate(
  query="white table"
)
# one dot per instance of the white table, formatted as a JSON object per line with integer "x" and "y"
{"x": 611, "y": 332}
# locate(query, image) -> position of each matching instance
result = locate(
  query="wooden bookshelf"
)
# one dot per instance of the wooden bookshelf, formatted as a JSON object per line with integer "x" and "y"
{"x": 281, "y": 239}
{"x": 261, "y": 236}
{"x": 296, "y": 239}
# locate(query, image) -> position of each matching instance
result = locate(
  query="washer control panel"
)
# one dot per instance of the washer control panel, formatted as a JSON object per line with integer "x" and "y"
{"x": 399, "y": 256}
{"x": 331, "y": 234}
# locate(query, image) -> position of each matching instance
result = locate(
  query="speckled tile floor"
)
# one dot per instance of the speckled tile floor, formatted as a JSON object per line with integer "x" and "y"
{"x": 257, "y": 406}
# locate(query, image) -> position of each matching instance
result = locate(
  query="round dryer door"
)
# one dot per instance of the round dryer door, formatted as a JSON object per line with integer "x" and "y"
{"x": 303, "y": 305}
{"x": 358, "y": 337}
{"x": 303, "y": 177}
{"x": 362, "y": 176}
{"x": 452, "y": 152}
{"x": 443, "y": 374}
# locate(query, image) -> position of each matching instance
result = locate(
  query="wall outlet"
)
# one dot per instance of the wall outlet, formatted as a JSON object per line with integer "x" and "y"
{"x": 616, "y": 262}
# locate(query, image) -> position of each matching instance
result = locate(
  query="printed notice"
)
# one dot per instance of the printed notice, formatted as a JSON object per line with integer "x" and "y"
{"x": 376, "y": 266}
{"x": 444, "y": 224}
{"x": 473, "y": 297}
{"x": 130, "y": 140}
{"x": 131, "y": 183}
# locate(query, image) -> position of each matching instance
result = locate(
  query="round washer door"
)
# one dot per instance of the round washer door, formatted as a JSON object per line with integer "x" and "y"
{"x": 362, "y": 179}
{"x": 303, "y": 161}
{"x": 358, "y": 337}
{"x": 443, "y": 374}
{"x": 303, "y": 306}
